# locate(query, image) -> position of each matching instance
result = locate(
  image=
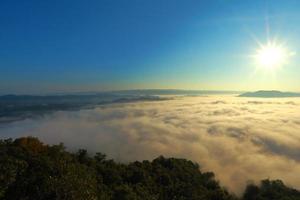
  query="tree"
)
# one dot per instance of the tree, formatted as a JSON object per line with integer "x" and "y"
{"x": 30, "y": 169}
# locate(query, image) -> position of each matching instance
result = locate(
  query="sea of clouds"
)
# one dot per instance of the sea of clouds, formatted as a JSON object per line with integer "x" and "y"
{"x": 240, "y": 139}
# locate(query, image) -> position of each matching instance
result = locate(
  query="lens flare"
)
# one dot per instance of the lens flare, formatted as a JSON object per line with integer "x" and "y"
{"x": 272, "y": 56}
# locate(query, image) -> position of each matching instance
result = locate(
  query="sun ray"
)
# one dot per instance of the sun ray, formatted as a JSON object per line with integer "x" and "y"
{"x": 272, "y": 55}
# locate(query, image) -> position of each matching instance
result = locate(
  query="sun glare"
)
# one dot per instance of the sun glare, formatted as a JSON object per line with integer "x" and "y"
{"x": 272, "y": 56}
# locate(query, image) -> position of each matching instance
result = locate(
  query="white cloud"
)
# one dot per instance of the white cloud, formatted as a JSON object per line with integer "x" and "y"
{"x": 240, "y": 139}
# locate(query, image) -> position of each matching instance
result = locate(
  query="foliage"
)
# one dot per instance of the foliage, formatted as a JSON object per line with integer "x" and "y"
{"x": 30, "y": 169}
{"x": 268, "y": 189}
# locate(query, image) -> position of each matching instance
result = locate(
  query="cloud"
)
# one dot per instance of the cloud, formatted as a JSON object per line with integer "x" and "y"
{"x": 240, "y": 139}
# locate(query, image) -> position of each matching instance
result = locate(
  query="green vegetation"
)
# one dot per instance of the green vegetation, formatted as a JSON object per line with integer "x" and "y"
{"x": 31, "y": 170}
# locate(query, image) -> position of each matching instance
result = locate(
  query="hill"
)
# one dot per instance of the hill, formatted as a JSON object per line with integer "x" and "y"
{"x": 270, "y": 94}
{"x": 30, "y": 169}
{"x": 19, "y": 107}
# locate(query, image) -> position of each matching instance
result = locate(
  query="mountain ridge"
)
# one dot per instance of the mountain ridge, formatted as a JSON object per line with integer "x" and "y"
{"x": 270, "y": 94}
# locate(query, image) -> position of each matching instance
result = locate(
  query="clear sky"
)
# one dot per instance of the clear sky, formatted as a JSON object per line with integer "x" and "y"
{"x": 76, "y": 45}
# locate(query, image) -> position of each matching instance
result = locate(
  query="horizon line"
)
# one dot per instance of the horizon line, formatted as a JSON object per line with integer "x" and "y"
{"x": 134, "y": 90}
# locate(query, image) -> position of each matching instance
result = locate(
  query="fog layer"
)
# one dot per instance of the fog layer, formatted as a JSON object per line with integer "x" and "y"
{"x": 240, "y": 139}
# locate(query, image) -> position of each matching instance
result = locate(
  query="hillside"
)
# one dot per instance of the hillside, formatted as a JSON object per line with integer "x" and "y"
{"x": 30, "y": 169}
{"x": 270, "y": 94}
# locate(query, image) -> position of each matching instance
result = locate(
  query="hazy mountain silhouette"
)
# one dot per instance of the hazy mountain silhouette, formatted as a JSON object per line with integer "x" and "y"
{"x": 270, "y": 94}
{"x": 19, "y": 107}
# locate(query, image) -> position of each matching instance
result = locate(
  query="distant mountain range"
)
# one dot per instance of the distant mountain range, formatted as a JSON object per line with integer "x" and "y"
{"x": 174, "y": 92}
{"x": 127, "y": 92}
{"x": 19, "y": 107}
{"x": 270, "y": 94}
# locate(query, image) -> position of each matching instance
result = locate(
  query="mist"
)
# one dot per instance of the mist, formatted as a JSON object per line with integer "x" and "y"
{"x": 240, "y": 139}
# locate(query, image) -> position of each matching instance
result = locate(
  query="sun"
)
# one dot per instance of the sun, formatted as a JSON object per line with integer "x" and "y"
{"x": 272, "y": 55}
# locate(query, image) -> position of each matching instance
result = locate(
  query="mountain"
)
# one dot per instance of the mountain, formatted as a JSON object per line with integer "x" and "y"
{"x": 34, "y": 170}
{"x": 19, "y": 107}
{"x": 270, "y": 94}
{"x": 174, "y": 92}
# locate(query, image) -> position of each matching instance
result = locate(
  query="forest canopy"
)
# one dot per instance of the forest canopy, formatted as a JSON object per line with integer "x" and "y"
{"x": 30, "y": 170}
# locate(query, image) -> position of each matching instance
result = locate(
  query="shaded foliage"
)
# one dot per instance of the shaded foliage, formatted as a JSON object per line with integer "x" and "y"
{"x": 268, "y": 189}
{"x": 30, "y": 169}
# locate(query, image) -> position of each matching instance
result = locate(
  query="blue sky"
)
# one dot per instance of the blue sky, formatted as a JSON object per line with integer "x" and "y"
{"x": 75, "y": 45}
